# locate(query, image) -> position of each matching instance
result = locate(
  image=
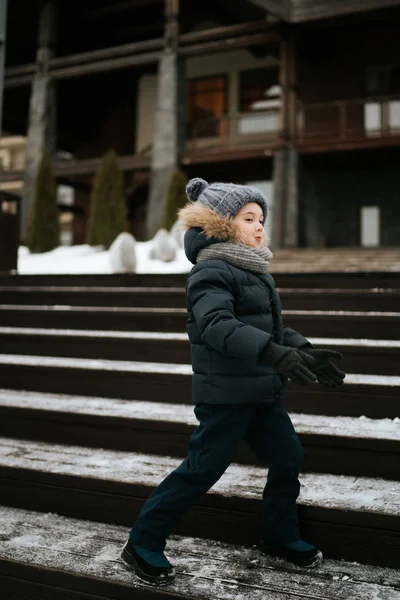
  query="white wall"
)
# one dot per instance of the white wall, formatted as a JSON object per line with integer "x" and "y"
{"x": 146, "y": 106}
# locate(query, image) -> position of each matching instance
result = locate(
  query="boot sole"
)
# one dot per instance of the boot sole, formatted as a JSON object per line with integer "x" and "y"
{"x": 152, "y": 579}
{"x": 309, "y": 562}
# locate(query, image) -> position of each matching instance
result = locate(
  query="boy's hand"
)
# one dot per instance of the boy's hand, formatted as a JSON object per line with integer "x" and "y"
{"x": 328, "y": 374}
{"x": 289, "y": 362}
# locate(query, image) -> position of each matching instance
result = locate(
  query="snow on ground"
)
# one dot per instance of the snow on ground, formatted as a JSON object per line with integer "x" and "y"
{"x": 93, "y": 260}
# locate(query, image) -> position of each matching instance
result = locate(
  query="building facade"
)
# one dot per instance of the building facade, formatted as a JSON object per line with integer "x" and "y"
{"x": 299, "y": 98}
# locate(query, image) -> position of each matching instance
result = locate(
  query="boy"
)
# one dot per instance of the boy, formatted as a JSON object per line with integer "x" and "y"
{"x": 242, "y": 358}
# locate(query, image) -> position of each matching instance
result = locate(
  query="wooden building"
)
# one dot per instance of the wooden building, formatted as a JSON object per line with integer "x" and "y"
{"x": 299, "y": 97}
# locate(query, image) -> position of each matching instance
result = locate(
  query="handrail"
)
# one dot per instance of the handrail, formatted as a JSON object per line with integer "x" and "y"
{"x": 356, "y": 118}
{"x": 359, "y": 99}
{"x": 239, "y": 129}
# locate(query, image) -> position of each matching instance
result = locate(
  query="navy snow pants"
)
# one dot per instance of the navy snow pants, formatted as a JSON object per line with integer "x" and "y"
{"x": 268, "y": 431}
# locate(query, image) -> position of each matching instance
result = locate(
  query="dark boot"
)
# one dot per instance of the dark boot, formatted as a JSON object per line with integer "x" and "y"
{"x": 144, "y": 570}
{"x": 299, "y": 552}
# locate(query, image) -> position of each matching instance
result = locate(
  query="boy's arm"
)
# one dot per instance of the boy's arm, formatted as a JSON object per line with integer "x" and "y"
{"x": 210, "y": 296}
{"x": 294, "y": 339}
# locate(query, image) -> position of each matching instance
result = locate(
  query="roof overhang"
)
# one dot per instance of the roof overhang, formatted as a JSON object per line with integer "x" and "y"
{"x": 300, "y": 11}
{"x": 279, "y": 8}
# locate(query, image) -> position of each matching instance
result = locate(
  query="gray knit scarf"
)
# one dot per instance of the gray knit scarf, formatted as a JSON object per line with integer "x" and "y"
{"x": 239, "y": 255}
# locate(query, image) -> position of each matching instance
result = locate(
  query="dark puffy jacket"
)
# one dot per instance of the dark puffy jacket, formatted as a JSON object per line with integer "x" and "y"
{"x": 232, "y": 315}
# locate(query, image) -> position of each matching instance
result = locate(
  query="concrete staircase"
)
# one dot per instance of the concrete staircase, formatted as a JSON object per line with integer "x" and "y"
{"x": 95, "y": 411}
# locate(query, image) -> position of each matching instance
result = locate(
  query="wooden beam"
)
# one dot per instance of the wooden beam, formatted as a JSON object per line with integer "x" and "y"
{"x": 106, "y": 53}
{"x": 118, "y": 7}
{"x": 221, "y": 32}
{"x": 22, "y": 70}
{"x": 279, "y": 8}
{"x": 105, "y": 65}
{"x": 68, "y": 168}
{"x": 229, "y": 44}
{"x": 218, "y": 39}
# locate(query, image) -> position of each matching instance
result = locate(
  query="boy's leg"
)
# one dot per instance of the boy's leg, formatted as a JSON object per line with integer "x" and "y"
{"x": 272, "y": 438}
{"x": 211, "y": 448}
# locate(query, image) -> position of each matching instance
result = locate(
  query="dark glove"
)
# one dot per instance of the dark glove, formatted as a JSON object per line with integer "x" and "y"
{"x": 289, "y": 362}
{"x": 328, "y": 374}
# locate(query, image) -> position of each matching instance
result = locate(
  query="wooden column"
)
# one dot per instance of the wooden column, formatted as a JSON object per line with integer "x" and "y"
{"x": 169, "y": 118}
{"x": 3, "y": 14}
{"x": 41, "y": 133}
{"x": 285, "y": 226}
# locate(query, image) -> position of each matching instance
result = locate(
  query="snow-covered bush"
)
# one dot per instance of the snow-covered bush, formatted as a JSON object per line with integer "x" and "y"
{"x": 176, "y": 198}
{"x": 178, "y": 233}
{"x": 107, "y": 203}
{"x": 122, "y": 254}
{"x": 163, "y": 246}
{"x": 43, "y": 231}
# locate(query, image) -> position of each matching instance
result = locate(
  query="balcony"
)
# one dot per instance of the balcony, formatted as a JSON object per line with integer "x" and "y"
{"x": 243, "y": 134}
{"x": 347, "y": 124}
{"x": 326, "y": 126}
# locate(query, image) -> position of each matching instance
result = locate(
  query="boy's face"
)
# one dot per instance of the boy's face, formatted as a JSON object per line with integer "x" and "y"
{"x": 249, "y": 219}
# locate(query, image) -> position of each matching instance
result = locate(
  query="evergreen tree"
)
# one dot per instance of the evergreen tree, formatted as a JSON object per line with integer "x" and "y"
{"x": 107, "y": 203}
{"x": 176, "y": 198}
{"x": 43, "y": 231}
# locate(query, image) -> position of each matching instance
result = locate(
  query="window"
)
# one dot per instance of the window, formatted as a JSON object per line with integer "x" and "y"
{"x": 260, "y": 101}
{"x": 254, "y": 86}
{"x": 381, "y": 81}
{"x": 206, "y": 103}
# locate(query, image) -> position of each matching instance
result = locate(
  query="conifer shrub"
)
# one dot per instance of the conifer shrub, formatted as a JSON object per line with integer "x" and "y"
{"x": 176, "y": 198}
{"x": 43, "y": 231}
{"x": 107, "y": 217}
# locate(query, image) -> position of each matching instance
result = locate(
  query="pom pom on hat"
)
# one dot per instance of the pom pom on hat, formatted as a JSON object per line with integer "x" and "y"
{"x": 195, "y": 187}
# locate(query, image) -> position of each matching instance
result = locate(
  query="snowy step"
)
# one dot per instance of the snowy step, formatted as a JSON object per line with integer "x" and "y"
{"x": 333, "y": 279}
{"x": 371, "y": 395}
{"x": 352, "y": 518}
{"x": 174, "y": 297}
{"x": 342, "y": 445}
{"x": 81, "y": 555}
{"x": 317, "y": 323}
{"x": 360, "y": 356}
{"x": 139, "y": 296}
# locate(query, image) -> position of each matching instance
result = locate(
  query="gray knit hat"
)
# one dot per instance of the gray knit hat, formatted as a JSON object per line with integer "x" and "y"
{"x": 225, "y": 198}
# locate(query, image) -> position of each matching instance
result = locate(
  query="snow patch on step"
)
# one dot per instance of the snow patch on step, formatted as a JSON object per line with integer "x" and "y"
{"x": 77, "y": 289}
{"x": 129, "y": 335}
{"x": 159, "y": 335}
{"x": 91, "y": 309}
{"x": 362, "y": 427}
{"x": 149, "y": 367}
{"x": 343, "y": 313}
{"x": 206, "y": 569}
{"x": 332, "y": 491}
{"x": 96, "y": 364}
{"x": 355, "y": 342}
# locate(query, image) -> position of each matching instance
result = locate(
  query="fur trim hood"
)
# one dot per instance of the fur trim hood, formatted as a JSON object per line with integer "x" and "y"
{"x": 213, "y": 224}
{"x": 205, "y": 227}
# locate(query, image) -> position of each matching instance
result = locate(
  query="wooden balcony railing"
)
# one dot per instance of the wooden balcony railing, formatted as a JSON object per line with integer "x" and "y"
{"x": 326, "y": 123}
{"x": 239, "y": 130}
{"x": 360, "y": 118}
